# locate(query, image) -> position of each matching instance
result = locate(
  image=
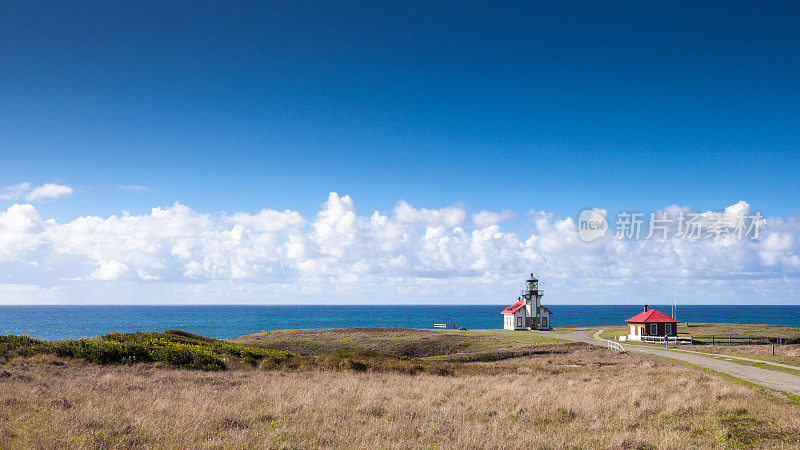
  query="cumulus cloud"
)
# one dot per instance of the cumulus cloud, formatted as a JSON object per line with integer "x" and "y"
{"x": 21, "y": 231}
{"x": 433, "y": 252}
{"x": 268, "y": 220}
{"x": 32, "y": 194}
{"x": 110, "y": 270}
{"x": 484, "y": 219}
{"x": 450, "y": 216}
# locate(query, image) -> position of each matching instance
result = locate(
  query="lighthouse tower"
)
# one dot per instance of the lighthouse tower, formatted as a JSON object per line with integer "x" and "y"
{"x": 533, "y": 304}
{"x": 527, "y": 313}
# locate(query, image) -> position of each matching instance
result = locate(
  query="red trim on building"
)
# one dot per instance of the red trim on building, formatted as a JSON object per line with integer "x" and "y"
{"x": 651, "y": 316}
{"x": 514, "y": 308}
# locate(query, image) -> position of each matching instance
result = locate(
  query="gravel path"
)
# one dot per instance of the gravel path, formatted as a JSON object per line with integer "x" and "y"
{"x": 781, "y": 381}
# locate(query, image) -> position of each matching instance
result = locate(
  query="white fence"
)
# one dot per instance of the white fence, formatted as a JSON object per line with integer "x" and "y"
{"x": 616, "y": 346}
{"x": 674, "y": 339}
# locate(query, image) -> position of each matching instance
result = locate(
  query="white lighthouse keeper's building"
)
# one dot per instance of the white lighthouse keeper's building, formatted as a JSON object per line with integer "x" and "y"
{"x": 527, "y": 313}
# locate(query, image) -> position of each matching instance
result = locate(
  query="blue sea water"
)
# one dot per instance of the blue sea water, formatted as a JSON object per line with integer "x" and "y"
{"x": 227, "y": 322}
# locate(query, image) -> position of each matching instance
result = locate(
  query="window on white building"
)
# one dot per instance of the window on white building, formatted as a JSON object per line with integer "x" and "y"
{"x": 519, "y": 322}
{"x": 653, "y": 329}
{"x": 668, "y": 330}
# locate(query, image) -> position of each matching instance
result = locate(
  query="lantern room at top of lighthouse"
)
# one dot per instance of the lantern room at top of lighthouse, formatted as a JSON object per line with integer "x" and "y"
{"x": 531, "y": 287}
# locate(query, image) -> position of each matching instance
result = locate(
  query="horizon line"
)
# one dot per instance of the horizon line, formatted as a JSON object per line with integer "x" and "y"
{"x": 383, "y": 304}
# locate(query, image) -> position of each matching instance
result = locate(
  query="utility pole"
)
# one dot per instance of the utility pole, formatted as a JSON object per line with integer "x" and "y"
{"x": 675, "y": 303}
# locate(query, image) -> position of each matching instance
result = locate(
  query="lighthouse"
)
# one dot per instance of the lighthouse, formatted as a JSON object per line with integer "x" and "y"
{"x": 533, "y": 303}
{"x": 527, "y": 313}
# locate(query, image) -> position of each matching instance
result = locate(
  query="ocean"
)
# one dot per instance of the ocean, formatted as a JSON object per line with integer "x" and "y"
{"x": 227, "y": 322}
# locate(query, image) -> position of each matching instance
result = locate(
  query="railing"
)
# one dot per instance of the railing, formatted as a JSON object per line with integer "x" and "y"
{"x": 734, "y": 339}
{"x": 531, "y": 291}
{"x": 660, "y": 339}
{"x": 616, "y": 346}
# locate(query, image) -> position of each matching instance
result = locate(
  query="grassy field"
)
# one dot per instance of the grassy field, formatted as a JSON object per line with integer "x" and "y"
{"x": 784, "y": 353}
{"x": 564, "y": 395}
{"x": 434, "y": 344}
{"x": 785, "y": 332}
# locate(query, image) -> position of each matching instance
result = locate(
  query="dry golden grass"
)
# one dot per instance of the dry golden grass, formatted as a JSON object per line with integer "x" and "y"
{"x": 785, "y": 354}
{"x": 585, "y": 397}
{"x": 722, "y": 330}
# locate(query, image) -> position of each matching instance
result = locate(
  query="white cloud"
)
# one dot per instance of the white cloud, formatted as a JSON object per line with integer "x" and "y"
{"x": 20, "y": 233}
{"x": 450, "y": 216}
{"x": 110, "y": 271}
{"x": 48, "y": 191}
{"x": 31, "y": 194}
{"x": 485, "y": 219}
{"x": 15, "y": 191}
{"x": 268, "y": 220}
{"x": 134, "y": 188}
{"x": 431, "y": 254}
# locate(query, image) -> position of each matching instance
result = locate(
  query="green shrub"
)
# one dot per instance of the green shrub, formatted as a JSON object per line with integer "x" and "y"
{"x": 173, "y": 347}
{"x": 11, "y": 345}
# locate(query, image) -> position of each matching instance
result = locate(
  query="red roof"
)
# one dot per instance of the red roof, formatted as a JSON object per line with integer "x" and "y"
{"x": 514, "y": 308}
{"x": 651, "y": 316}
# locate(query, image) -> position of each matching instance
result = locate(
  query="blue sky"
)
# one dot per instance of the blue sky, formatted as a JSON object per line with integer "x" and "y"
{"x": 544, "y": 106}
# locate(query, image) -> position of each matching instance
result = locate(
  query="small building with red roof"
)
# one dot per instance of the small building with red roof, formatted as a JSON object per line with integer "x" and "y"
{"x": 651, "y": 322}
{"x": 527, "y": 313}
{"x": 514, "y": 316}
